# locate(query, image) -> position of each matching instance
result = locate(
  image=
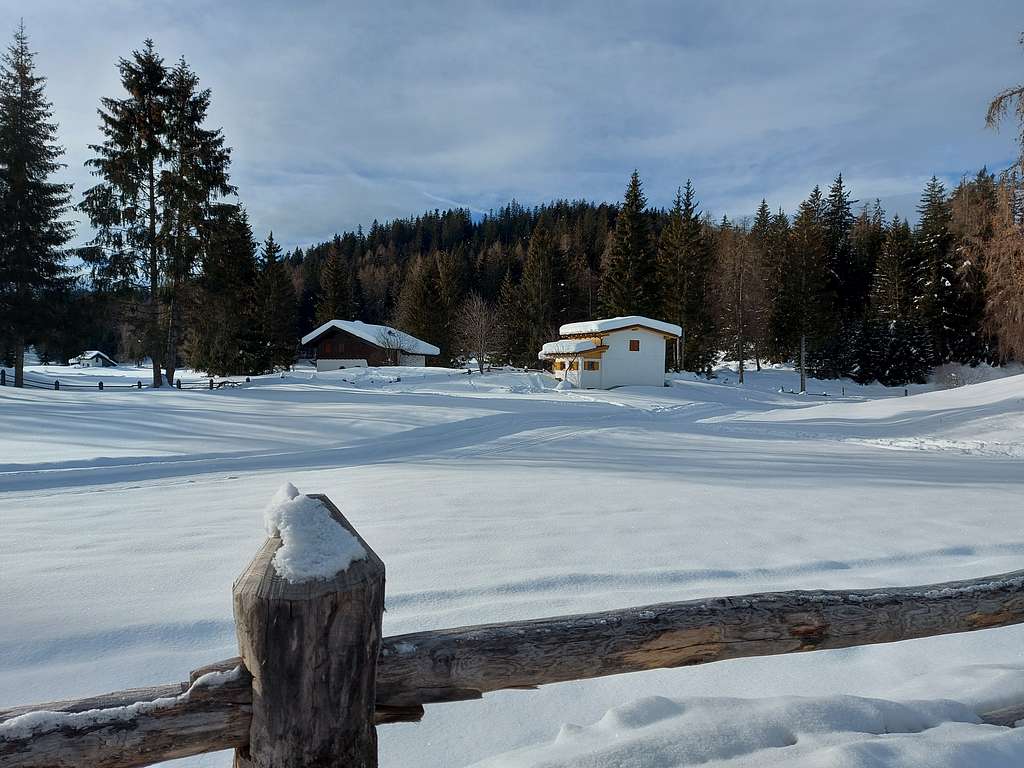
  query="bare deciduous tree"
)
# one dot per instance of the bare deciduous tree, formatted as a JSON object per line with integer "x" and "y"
{"x": 1004, "y": 273}
{"x": 477, "y": 331}
{"x": 390, "y": 341}
{"x": 1001, "y": 106}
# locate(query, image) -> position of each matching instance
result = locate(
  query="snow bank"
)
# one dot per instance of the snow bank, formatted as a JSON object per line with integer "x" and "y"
{"x": 313, "y": 545}
{"x": 847, "y": 731}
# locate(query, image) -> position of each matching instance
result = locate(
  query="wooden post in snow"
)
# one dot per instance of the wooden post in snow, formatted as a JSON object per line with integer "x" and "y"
{"x": 311, "y": 648}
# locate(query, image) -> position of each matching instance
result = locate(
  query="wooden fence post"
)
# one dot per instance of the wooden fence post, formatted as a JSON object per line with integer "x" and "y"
{"x": 312, "y": 650}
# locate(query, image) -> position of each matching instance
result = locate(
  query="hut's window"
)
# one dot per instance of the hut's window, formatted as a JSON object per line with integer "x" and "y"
{"x": 634, "y": 345}
{"x": 591, "y": 365}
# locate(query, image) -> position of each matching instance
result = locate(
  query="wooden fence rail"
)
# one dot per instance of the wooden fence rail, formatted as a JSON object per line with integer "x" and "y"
{"x": 315, "y": 676}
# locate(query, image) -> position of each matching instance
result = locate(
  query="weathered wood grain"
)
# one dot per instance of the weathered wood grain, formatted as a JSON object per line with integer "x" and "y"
{"x": 465, "y": 663}
{"x": 312, "y": 650}
{"x": 448, "y": 665}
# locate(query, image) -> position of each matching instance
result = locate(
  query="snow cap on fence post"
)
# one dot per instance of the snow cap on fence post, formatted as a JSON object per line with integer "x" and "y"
{"x": 308, "y": 614}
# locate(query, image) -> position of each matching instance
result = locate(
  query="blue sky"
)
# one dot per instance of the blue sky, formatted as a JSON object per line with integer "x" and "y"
{"x": 340, "y": 113}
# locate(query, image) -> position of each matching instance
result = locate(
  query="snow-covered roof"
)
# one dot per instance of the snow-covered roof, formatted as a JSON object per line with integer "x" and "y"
{"x": 380, "y": 335}
{"x": 615, "y": 323}
{"x": 89, "y": 354}
{"x": 566, "y": 347}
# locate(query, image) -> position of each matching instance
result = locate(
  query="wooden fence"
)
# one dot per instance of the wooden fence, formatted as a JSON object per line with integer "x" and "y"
{"x": 315, "y": 676}
{"x": 29, "y": 382}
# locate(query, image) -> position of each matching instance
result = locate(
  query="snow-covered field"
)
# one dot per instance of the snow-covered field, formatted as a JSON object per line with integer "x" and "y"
{"x": 126, "y": 515}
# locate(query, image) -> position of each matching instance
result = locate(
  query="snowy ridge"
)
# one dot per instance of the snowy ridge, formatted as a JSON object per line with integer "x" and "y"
{"x": 840, "y": 731}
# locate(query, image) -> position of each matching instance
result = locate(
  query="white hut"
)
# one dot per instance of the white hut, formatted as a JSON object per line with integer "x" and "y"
{"x": 92, "y": 358}
{"x": 614, "y": 352}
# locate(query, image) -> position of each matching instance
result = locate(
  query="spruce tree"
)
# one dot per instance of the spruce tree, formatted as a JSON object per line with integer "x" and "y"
{"x": 193, "y": 175}
{"x": 845, "y": 292}
{"x": 675, "y": 250}
{"x": 893, "y": 344}
{"x": 125, "y": 208}
{"x": 419, "y": 311}
{"x": 225, "y": 333}
{"x": 685, "y": 265}
{"x": 539, "y": 287}
{"x": 799, "y": 306}
{"x": 33, "y": 228}
{"x": 278, "y": 307}
{"x": 765, "y": 274}
{"x": 161, "y": 173}
{"x": 629, "y": 284}
{"x": 934, "y": 257}
{"x": 336, "y": 297}
{"x": 513, "y": 324}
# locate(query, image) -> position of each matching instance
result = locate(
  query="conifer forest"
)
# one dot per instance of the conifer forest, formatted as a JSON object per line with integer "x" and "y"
{"x": 173, "y": 272}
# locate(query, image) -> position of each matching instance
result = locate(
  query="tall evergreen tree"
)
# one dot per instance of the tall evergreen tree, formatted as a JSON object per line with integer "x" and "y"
{"x": 765, "y": 274}
{"x": 278, "y": 307}
{"x": 125, "y": 208}
{"x": 629, "y": 285}
{"x": 193, "y": 175}
{"x": 934, "y": 255}
{"x": 845, "y": 290}
{"x": 685, "y": 259}
{"x": 513, "y": 324}
{"x": 419, "y": 311}
{"x": 893, "y": 345}
{"x": 161, "y": 174}
{"x": 539, "y": 287}
{"x": 33, "y": 228}
{"x": 225, "y": 332}
{"x": 799, "y": 305}
{"x": 336, "y": 297}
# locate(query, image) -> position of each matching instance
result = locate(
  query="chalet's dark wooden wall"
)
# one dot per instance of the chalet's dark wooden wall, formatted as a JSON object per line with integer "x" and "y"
{"x": 339, "y": 345}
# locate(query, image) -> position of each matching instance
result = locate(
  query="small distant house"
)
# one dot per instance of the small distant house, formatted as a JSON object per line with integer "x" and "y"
{"x": 355, "y": 344}
{"x": 93, "y": 358}
{"x": 614, "y": 352}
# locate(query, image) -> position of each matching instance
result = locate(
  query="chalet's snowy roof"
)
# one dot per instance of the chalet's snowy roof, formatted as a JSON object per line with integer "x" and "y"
{"x": 89, "y": 354}
{"x": 380, "y": 335}
{"x": 566, "y": 347}
{"x": 615, "y": 323}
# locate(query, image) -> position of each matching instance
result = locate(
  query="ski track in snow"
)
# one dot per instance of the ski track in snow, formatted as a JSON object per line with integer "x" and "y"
{"x": 495, "y": 499}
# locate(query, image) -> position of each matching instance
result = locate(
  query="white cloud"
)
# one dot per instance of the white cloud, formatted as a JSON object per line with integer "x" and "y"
{"x": 342, "y": 114}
